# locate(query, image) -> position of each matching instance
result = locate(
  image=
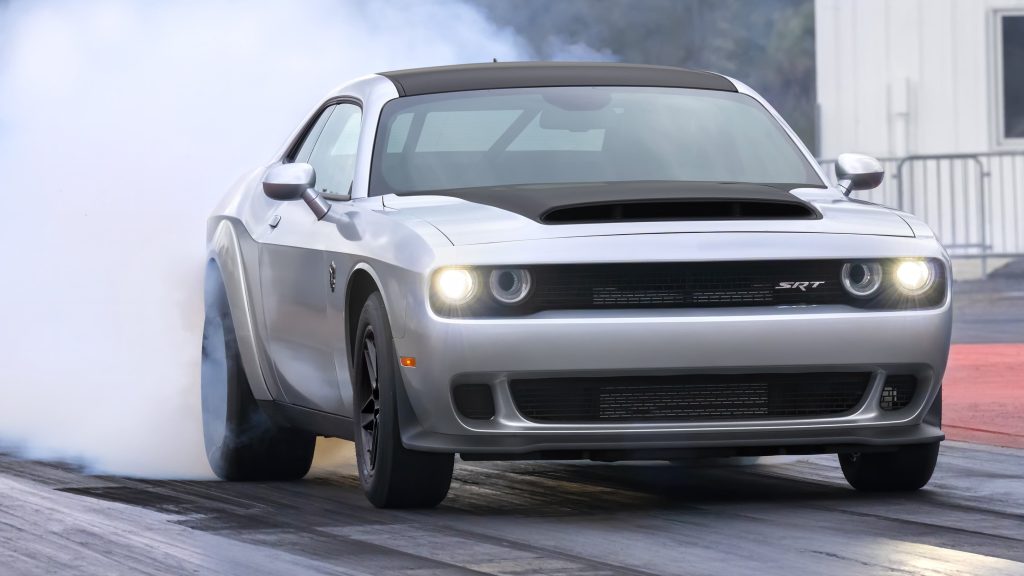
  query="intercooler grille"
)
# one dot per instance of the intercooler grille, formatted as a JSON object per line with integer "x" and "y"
{"x": 690, "y": 397}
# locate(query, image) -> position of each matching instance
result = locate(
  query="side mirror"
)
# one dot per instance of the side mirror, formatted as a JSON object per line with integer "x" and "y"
{"x": 858, "y": 172}
{"x": 285, "y": 182}
{"x": 288, "y": 181}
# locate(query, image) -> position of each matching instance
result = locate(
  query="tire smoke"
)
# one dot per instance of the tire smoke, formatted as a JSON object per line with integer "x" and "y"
{"x": 121, "y": 125}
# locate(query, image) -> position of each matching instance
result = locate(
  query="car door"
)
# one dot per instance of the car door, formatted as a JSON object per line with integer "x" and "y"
{"x": 295, "y": 278}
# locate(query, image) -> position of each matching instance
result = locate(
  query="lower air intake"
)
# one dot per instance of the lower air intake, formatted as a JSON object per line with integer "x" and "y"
{"x": 689, "y": 398}
{"x": 897, "y": 392}
{"x": 474, "y": 401}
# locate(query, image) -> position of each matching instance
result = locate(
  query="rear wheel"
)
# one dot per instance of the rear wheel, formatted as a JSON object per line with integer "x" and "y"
{"x": 392, "y": 475}
{"x": 906, "y": 469}
{"x": 242, "y": 443}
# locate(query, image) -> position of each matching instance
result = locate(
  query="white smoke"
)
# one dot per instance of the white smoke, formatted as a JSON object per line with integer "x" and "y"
{"x": 121, "y": 125}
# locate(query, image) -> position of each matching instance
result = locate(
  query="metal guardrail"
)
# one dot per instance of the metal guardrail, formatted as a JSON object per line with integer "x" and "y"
{"x": 974, "y": 202}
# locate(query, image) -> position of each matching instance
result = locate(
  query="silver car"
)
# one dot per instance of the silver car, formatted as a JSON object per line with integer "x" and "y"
{"x": 565, "y": 261}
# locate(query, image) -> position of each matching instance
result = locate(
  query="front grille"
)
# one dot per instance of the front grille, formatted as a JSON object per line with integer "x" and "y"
{"x": 689, "y": 398}
{"x": 691, "y": 285}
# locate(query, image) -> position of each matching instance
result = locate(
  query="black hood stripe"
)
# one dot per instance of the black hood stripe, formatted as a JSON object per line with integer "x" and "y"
{"x": 645, "y": 200}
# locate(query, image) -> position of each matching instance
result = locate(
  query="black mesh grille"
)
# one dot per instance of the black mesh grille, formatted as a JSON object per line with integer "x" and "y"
{"x": 898, "y": 392}
{"x": 690, "y": 397}
{"x": 688, "y": 285}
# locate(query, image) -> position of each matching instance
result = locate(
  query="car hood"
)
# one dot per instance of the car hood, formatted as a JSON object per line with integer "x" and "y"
{"x": 466, "y": 222}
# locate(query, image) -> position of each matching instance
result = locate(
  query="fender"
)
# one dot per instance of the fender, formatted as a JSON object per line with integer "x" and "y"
{"x": 225, "y": 250}
{"x": 394, "y": 304}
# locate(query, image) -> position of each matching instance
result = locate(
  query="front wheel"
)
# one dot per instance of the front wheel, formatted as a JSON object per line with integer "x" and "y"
{"x": 392, "y": 476}
{"x": 906, "y": 469}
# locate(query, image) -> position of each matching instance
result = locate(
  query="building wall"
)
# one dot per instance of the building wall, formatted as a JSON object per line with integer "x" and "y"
{"x": 899, "y": 77}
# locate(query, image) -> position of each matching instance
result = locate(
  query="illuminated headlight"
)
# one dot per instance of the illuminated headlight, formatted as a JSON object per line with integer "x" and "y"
{"x": 914, "y": 276}
{"x": 510, "y": 285}
{"x": 862, "y": 279}
{"x": 455, "y": 285}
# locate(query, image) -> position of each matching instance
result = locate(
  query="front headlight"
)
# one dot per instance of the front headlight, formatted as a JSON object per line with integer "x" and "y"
{"x": 481, "y": 291}
{"x": 455, "y": 285}
{"x": 862, "y": 279}
{"x": 914, "y": 276}
{"x": 510, "y": 285}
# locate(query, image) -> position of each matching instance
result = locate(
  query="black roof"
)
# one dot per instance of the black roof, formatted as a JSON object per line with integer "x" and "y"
{"x": 490, "y": 76}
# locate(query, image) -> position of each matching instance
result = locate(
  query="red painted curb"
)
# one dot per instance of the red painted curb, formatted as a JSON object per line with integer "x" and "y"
{"x": 983, "y": 394}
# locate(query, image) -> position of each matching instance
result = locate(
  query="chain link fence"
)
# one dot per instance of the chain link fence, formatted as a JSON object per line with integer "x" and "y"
{"x": 972, "y": 201}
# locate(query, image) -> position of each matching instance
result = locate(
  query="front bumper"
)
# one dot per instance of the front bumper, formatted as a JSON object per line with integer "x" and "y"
{"x": 695, "y": 341}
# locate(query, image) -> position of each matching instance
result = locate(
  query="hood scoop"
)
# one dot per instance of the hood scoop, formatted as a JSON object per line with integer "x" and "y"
{"x": 680, "y": 210}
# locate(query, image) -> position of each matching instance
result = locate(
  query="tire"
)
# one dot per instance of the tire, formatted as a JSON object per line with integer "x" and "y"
{"x": 907, "y": 469}
{"x": 242, "y": 442}
{"x": 392, "y": 476}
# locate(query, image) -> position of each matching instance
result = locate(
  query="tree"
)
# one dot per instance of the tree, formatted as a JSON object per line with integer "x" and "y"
{"x": 768, "y": 44}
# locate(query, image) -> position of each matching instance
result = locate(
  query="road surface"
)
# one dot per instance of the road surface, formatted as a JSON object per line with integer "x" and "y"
{"x": 794, "y": 516}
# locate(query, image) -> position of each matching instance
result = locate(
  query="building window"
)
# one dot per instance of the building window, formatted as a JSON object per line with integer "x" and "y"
{"x": 1009, "y": 52}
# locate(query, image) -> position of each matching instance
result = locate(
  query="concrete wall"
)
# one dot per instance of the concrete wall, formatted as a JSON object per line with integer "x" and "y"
{"x": 898, "y": 77}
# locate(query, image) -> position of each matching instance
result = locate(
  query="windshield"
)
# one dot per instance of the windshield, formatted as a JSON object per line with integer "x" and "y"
{"x": 526, "y": 136}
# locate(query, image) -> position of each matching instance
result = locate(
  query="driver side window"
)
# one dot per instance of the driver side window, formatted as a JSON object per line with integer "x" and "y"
{"x": 333, "y": 156}
{"x": 311, "y": 137}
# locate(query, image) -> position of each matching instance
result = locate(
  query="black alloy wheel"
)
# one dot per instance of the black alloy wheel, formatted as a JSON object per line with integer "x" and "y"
{"x": 392, "y": 475}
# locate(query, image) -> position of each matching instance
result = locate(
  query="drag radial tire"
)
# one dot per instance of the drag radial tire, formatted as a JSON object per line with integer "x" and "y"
{"x": 242, "y": 443}
{"x": 392, "y": 475}
{"x": 906, "y": 469}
